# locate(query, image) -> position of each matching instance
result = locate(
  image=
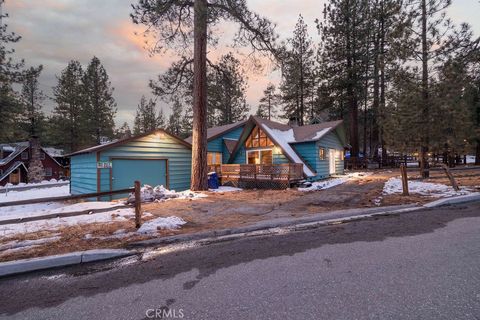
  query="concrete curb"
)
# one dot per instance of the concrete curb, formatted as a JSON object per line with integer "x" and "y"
{"x": 61, "y": 260}
{"x": 302, "y": 223}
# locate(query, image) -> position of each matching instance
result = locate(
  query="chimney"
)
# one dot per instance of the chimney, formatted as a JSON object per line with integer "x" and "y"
{"x": 35, "y": 167}
{"x": 293, "y": 122}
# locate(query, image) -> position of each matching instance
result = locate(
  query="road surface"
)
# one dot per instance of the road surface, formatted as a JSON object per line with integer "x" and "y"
{"x": 422, "y": 265}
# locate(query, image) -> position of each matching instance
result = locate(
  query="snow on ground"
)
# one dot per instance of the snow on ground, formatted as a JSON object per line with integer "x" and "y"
{"x": 43, "y": 183}
{"x": 40, "y": 209}
{"x": 470, "y": 159}
{"x": 56, "y": 223}
{"x": 225, "y": 189}
{"x": 152, "y": 226}
{"x": 329, "y": 183}
{"x": 35, "y": 193}
{"x": 17, "y": 244}
{"x": 160, "y": 193}
{"x": 437, "y": 190}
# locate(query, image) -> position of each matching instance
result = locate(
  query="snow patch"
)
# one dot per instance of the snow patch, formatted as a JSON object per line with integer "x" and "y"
{"x": 160, "y": 193}
{"x": 225, "y": 189}
{"x": 321, "y": 133}
{"x": 152, "y": 226}
{"x": 324, "y": 184}
{"x": 436, "y": 190}
{"x": 35, "y": 193}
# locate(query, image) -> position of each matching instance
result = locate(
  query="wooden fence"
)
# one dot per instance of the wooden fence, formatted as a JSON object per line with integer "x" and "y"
{"x": 261, "y": 176}
{"x": 135, "y": 190}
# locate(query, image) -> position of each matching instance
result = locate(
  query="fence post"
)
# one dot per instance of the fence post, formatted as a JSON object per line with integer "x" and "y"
{"x": 451, "y": 178}
{"x": 138, "y": 205}
{"x": 403, "y": 171}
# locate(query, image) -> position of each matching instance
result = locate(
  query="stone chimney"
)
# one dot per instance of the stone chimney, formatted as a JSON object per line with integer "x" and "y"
{"x": 36, "y": 172}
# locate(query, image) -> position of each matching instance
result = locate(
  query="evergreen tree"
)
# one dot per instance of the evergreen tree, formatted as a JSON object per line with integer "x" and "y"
{"x": 123, "y": 132}
{"x": 161, "y": 122}
{"x": 226, "y": 90}
{"x": 175, "y": 120}
{"x": 32, "y": 98}
{"x": 187, "y": 121}
{"x": 10, "y": 73}
{"x": 192, "y": 21}
{"x": 100, "y": 106}
{"x": 146, "y": 117}
{"x": 68, "y": 116}
{"x": 268, "y": 103}
{"x": 298, "y": 74}
{"x": 345, "y": 33}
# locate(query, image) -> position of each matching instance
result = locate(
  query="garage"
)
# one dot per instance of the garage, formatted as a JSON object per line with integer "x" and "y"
{"x": 154, "y": 158}
{"x": 148, "y": 171}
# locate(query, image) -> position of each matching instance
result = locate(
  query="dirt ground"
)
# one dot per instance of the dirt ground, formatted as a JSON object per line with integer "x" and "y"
{"x": 230, "y": 209}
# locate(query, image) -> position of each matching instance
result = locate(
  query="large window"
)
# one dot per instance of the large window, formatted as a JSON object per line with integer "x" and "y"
{"x": 258, "y": 139}
{"x": 322, "y": 154}
{"x": 214, "y": 158}
{"x": 260, "y": 156}
{"x": 48, "y": 172}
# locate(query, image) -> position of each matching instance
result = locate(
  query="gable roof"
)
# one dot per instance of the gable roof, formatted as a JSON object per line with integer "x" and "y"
{"x": 283, "y": 135}
{"x": 215, "y": 132}
{"x": 12, "y": 168}
{"x": 17, "y": 147}
{"x": 115, "y": 143}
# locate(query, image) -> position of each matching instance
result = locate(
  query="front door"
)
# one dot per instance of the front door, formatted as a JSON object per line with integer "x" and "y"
{"x": 331, "y": 161}
{"x": 15, "y": 177}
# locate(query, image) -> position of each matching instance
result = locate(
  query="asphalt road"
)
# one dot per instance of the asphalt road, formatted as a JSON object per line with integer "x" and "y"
{"x": 422, "y": 265}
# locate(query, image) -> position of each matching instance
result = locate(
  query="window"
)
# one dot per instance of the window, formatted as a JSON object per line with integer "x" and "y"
{"x": 42, "y": 155}
{"x": 322, "y": 154}
{"x": 214, "y": 158}
{"x": 341, "y": 156}
{"x": 257, "y": 139}
{"x": 25, "y": 155}
{"x": 260, "y": 156}
{"x": 48, "y": 172}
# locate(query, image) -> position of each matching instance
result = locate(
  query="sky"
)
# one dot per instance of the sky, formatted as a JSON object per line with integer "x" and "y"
{"x": 57, "y": 31}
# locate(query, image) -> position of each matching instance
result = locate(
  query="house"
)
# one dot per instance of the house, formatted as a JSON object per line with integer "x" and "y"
{"x": 221, "y": 141}
{"x": 317, "y": 148}
{"x": 15, "y": 160}
{"x": 154, "y": 158}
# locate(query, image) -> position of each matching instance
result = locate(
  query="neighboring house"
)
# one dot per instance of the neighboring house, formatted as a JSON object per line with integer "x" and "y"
{"x": 318, "y": 147}
{"x": 15, "y": 159}
{"x": 221, "y": 141}
{"x": 154, "y": 158}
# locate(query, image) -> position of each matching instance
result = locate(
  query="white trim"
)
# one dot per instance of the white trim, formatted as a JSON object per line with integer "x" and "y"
{"x": 332, "y": 155}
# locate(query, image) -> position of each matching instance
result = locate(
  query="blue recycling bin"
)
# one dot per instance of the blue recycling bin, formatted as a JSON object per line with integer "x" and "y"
{"x": 213, "y": 180}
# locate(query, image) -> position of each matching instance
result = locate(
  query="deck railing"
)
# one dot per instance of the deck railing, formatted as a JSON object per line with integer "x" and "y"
{"x": 264, "y": 176}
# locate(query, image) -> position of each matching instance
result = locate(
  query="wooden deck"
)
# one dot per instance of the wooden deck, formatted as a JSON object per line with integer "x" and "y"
{"x": 261, "y": 176}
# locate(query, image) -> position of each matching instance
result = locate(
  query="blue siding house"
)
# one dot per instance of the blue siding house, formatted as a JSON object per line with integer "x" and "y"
{"x": 155, "y": 158}
{"x": 319, "y": 147}
{"x": 221, "y": 141}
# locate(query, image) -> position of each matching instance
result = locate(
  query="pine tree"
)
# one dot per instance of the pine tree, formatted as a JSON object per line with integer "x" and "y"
{"x": 10, "y": 73}
{"x": 32, "y": 98}
{"x": 68, "y": 116}
{"x": 100, "y": 106}
{"x": 175, "y": 120}
{"x": 345, "y": 35}
{"x": 191, "y": 21}
{"x": 298, "y": 74}
{"x": 268, "y": 103}
{"x": 146, "y": 117}
{"x": 187, "y": 121}
{"x": 227, "y": 91}
{"x": 123, "y": 132}
{"x": 161, "y": 122}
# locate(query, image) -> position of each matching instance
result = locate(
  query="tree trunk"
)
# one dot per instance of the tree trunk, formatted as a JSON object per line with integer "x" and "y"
{"x": 425, "y": 96}
{"x": 199, "y": 135}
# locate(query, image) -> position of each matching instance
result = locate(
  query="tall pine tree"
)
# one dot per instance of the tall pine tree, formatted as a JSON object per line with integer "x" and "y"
{"x": 146, "y": 117}
{"x": 99, "y": 102}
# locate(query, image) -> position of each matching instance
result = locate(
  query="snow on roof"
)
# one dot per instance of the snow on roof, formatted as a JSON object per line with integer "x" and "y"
{"x": 321, "y": 133}
{"x": 283, "y": 138}
{"x": 53, "y": 152}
